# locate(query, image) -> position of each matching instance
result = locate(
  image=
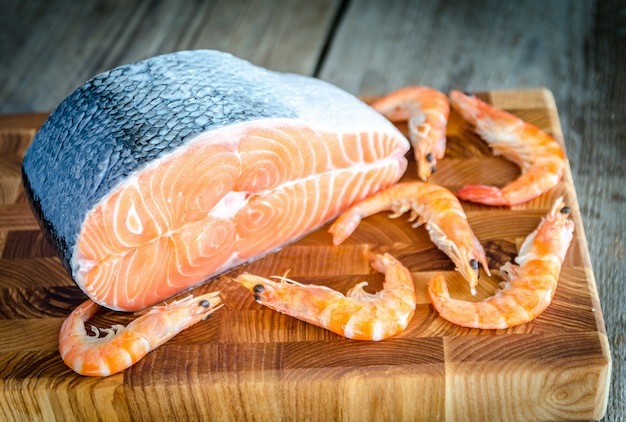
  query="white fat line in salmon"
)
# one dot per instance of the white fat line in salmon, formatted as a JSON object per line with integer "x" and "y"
{"x": 233, "y": 202}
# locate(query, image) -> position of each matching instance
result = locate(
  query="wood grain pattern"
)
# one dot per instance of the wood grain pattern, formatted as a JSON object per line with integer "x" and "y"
{"x": 248, "y": 362}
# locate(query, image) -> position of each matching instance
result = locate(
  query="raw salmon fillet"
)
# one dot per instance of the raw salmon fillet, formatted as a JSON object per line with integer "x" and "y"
{"x": 158, "y": 175}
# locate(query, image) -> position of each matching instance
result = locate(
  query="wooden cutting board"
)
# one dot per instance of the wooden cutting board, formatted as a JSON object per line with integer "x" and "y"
{"x": 248, "y": 362}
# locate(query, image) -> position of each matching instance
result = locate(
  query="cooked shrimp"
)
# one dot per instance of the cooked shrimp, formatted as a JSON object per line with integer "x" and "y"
{"x": 122, "y": 347}
{"x": 433, "y": 205}
{"x": 357, "y": 315}
{"x": 426, "y": 112}
{"x": 539, "y": 156}
{"x": 529, "y": 286}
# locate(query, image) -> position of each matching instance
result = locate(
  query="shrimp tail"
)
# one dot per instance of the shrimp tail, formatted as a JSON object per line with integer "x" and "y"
{"x": 439, "y": 287}
{"x": 345, "y": 225}
{"x": 488, "y": 195}
{"x": 459, "y": 311}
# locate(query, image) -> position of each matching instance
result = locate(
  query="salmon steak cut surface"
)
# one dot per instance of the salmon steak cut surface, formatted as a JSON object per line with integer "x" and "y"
{"x": 158, "y": 175}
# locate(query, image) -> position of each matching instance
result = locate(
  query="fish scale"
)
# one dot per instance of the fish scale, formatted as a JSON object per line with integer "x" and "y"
{"x": 130, "y": 122}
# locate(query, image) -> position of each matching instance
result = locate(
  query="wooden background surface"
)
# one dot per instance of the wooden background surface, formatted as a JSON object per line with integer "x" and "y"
{"x": 574, "y": 48}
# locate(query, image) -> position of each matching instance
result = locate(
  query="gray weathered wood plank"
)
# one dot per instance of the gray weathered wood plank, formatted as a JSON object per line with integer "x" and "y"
{"x": 51, "y": 47}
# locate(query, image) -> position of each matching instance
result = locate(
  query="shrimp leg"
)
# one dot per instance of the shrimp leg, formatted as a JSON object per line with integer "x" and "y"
{"x": 357, "y": 315}
{"x": 529, "y": 286}
{"x": 433, "y": 205}
{"x": 426, "y": 111}
{"x": 123, "y": 346}
{"x": 539, "y": 156}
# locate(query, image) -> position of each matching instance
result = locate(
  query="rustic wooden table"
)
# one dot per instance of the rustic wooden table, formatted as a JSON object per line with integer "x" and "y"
{"x": 573, "y": 48}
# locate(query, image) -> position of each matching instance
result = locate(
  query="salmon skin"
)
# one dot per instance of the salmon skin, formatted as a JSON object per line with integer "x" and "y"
{"x": 158, "y": 175}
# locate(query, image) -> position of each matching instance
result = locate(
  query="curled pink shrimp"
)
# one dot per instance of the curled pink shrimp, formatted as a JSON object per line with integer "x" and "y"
{"x": 426, "y": 112}
{"x": 432, "y": 205}
{"x": 357, "y": 315}
{"x": 122, "y": 347}
{"x": 539, "y": 156}
{"x": 529, "y": 286}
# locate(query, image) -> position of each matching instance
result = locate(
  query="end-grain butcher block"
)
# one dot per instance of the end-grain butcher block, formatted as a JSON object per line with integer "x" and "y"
{"x": 157, "y": 175}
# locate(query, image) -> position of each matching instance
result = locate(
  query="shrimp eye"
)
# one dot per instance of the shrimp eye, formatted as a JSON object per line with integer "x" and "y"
{"x": 565, "y": 210}
{"x": 474, "y": 264}
{"x": 204, "y": 303}
{"x": 430, "y": 157}
{"x": 433, "y": 169}
{"x": 258, "y": 289}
